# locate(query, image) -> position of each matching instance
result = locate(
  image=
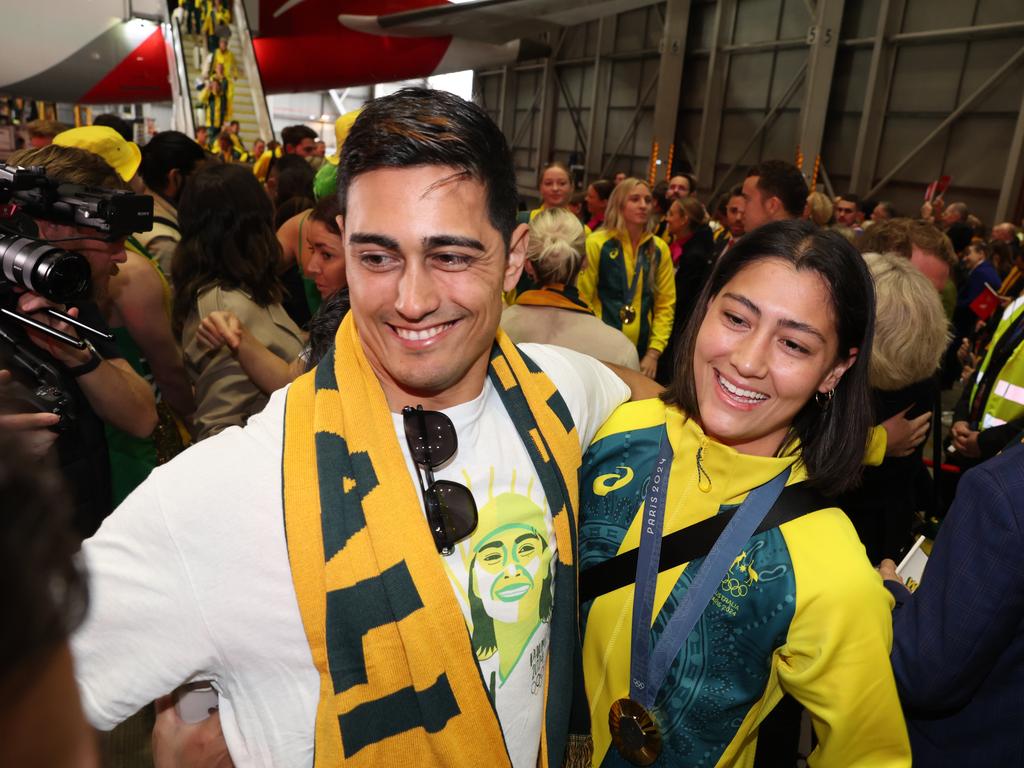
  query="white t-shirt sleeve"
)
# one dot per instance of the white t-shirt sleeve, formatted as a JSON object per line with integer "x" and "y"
{"x": 144, "y": 634}
{"x": 590, "y": 389}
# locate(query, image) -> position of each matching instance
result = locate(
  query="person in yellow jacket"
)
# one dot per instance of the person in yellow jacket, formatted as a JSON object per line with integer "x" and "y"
{"x": 772, "y": 391}
{"x": 629, "y": 280}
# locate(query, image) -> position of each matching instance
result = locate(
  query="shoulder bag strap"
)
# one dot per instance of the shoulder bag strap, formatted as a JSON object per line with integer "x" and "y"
{"x": 695, "y": 541}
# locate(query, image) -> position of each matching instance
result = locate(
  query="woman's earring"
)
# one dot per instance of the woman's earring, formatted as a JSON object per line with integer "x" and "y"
{"x": 823, "y": 399}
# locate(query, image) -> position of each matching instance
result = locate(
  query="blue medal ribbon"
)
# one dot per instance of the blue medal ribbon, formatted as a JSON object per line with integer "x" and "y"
{"x": 649, "y": 666}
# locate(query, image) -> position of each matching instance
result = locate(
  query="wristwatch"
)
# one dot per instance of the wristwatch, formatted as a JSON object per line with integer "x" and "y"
{"x": 89, "y": 365}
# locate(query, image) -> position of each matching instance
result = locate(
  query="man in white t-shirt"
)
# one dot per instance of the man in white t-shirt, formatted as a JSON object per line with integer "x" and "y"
{"x": 191, "y": 579}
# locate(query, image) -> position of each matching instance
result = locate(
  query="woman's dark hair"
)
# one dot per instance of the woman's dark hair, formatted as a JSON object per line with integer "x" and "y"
{"x": 163, "y": 153}
{"x": 326, "y": 212}
{"x": 417, "y": 126}
{"x": 832, "y": 440}
{"x": 290, "y": 208}
{"x": 227, "y": 239}
{"x": 45, "y": 596}
{"x": 323, "y": 326}
{"x": 294, "y": 179}
{"x": 603, "y": 188}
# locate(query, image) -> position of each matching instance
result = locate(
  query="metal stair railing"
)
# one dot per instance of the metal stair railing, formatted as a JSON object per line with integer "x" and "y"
{"x": 252, "y": 71}
{"x": 183, "y": 110}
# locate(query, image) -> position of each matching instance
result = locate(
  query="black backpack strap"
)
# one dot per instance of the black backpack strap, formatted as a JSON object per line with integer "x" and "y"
{"x": 167, "y": 223}
{"x": 695, "y": 541}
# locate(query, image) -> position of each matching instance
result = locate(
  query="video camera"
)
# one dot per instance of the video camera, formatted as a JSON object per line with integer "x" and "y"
{"x": 34, "y": 264}
{"x": 39, "y": 266}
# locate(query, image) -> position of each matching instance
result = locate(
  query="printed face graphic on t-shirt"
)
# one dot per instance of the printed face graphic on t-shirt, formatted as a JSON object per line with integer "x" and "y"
{"x": 509, "y": 578}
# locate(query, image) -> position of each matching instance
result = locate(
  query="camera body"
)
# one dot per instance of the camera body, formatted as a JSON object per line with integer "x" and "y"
{"x": 30, "y": 263}
{"x": 38, "y": 266}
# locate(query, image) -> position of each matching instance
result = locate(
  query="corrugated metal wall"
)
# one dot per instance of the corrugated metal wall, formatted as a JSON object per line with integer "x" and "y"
{"x": 904, "y": 71}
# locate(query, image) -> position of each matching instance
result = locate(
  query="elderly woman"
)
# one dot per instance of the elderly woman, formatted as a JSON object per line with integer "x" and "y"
{"x": 554, "y": 313}
{"x": 688, "y": 647}
{"x": 911, "y": 334}
{"x": 628, "y": 277}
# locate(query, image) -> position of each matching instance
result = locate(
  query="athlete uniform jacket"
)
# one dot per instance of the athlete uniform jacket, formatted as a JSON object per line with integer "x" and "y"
{"x": 800, "y": 611}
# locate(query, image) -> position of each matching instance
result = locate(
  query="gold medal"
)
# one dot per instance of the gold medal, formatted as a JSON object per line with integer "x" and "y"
{"x": 634, "y": 733}
{"x": 627, "y": 314}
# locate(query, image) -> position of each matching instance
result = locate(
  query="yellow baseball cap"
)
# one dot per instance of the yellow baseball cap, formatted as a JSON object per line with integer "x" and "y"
{"x": 123, "y": 156}
{"x": 341, "y": 128}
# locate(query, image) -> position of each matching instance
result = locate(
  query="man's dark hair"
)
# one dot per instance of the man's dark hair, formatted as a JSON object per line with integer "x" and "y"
{"x": 294, "y": 134}
{"x": 44, "y": 595}
{"x": 777, "y": 178}
{"x": 227, "y": 239}
{"x": 850, "y": 198}
{"x": 831, "y": 440}
{"x": 165, "y": 152}
{"x": 119, "y": 124}
{"x": 417, "y": 126}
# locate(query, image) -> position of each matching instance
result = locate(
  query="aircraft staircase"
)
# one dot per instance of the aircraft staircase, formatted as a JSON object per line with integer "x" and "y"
{"x": 189, "y": 59}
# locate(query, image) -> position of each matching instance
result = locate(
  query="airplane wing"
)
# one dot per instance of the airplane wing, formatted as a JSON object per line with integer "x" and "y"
{"x": 490, "y": 21}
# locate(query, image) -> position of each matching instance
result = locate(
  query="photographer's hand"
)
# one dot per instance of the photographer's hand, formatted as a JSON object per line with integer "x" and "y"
{"x": 33, "y": 428}
{"x": 116, "y": 393}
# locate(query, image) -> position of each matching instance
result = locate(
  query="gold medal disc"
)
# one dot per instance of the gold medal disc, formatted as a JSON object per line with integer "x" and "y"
{"x": 627, "y": 314}
{"x": 634, "y": 733}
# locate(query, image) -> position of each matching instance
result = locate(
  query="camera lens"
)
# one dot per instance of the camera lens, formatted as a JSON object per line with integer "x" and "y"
{"x": 59, "y": 275}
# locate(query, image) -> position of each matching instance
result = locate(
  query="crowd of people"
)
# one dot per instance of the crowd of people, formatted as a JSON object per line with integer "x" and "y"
{"x": 668, "y": 452}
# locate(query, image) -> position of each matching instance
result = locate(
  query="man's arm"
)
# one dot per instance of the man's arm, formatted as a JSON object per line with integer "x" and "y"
{"x": 968, "y": 608}
{"x": 117, "y": 394}
{"x": 139, "y": 296}
{"x": 144, "y": 634}
{"x": 641, "y": 387}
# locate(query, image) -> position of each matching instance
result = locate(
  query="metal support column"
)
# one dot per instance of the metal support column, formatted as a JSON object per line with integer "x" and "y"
{"x": 823, "y": 38}
{"x": 714, "y": 94}
{"x": 876, "y": 95}
{"x": 670, "y": 78}
{"x": 966, "y": 106}
{"x": 549, "y": 103}
{"x": 1014, "y": 176}
{"x": 508, "y": 105}
{"x": 598, "y": 123}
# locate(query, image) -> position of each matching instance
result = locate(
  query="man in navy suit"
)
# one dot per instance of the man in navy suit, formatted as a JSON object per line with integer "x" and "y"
{"x": 958, "y": 641}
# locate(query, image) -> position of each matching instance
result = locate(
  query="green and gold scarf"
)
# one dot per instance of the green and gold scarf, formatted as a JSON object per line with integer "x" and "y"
{"x": 399, "y": 682}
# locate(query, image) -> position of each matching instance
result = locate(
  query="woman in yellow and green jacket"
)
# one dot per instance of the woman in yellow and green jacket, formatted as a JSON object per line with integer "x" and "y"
{"x": 771, "y": 392}
{"x": 629, "y": 280}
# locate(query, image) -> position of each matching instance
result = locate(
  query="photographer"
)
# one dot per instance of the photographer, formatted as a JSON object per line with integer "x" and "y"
{"x": 101, "y": 386}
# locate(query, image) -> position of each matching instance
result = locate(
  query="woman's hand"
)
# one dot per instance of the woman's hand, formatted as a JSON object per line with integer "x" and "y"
{"x": 903, "y": 435}
{"x": 649, "y": 363}
{"x": 221, "y": 328}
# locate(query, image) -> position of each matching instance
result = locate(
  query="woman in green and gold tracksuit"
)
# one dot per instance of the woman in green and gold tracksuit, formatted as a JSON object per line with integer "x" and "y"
{"x": 629, "y": 279}
{"x": 682, "y": 666}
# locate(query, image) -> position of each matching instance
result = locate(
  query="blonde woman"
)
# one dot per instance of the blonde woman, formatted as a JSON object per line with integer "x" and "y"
{"x": 554, "y": 313}
{"x": 555, "y": 190}
{"x": 818, "y": 209}
{"x": 911, "y": 334}
{"x": 628, "y": 279}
